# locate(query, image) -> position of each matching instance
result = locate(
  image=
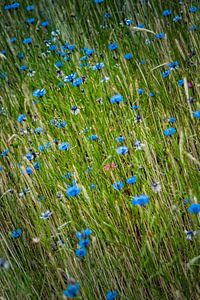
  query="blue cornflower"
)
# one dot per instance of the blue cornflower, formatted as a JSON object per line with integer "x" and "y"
{"x": 87, "y": 232}
{"x": 23, "y": 68}
{"x": 93, "y": 186}
{"x": 52, "y": 48}
{"x": 141, "y": 25}
{"x": 194, "y": 208}
{"x": 73, "y": 191}
{"x": 83, "y": 58}
{"x": 81, "y": 252}
{"x": 193, "y": 27}
{"x": 120, "y": 139}
{"x": 71, "y": 47}
{"x": 84, "y": 65}
{"x": 61, "y": 53}
{"x": 29, "y": 171}
{"x": 39, "y": 93}
{"x": 77, "y": 82}
{"x": 131, "y": 180}
{"x": 116, "y": 98}
{"x": 140, "y": 91}
{"x": 169, "y": 131}
{"x": 142, "y": 62}
{"x": 70, "y": 77}
{"x": 72, "y": 290}
{"x": 29, "y": 156}
{"x": 16, "y": 233}
{"x": 30, "y": 8}
{"x": 113, "y": 46}
{"x": 135, "y": 107}
{"x": 98, "y": 66}
{"x": 128, "y": 22}
{"x": 160, "y": 36}
{"x": 3, "y": 52}
{"x": 13, "y": 40}
{"x": 30, "y": 20}
{"x": 64, "y": 146}
{"x": 93, "y": 137}
{"x": 122, "y": 150}
{"x": 166, "y": 12}
{"x": 83, "y": 234}
{"x": 5, "y": 152}
{"x": 177, "y": 18}
{"x": 196, "y": 114}
{"x": 21, "y": 118}
{"x": 38, "y": 130}
{"x": 180, "y": 82}
{"x": 45, "y": 24}
{"x": 84, "y": 243}
{"x": 59, "y": 64}
{"x": 140, "y": 200}
{"x": 98, "y": 1}
{"x": 193, "y": 9}
{"x": 111, "y": 295}
{"x": 12, "y": 6}
{"x": 107, "y": 15}
{"x": 69, "y": 175}
{"x": 128, "y": 56}
{"x": 65, "y": 47}
{"x": 173, "y": 65}
{"x": 21, "y": 55}
{"x": 88, "y": 52}
{"x": 165, "y": 74}
{"x": 118, "y": 185}
{"x": 45, "y": 146}
{"x": 7, "y": 7}
{"x": 27, "y": 41}
{"x": 36, "y": 166}
{"x": 61, "y": 124}
{"x": 186, "y": 201}
{"x": 171, "y": 120}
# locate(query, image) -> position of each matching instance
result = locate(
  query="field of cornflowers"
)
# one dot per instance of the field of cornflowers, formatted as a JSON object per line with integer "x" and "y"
{"x": 99, "y": 112}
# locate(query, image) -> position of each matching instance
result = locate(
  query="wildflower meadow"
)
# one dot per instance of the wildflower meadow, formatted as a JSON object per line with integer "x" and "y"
{"x": 99, "y": 151}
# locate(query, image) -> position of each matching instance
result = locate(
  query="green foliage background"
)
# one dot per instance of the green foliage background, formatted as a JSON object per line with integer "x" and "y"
{"x": 140, "y": 251}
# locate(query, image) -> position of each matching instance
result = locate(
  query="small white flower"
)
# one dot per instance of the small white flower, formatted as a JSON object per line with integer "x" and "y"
{"x": 61, "y": 243}
{"x": 45, "y": 215}
{"x": 99, "y": 100}
{"x": 31, "y": 73}
{"x": 75, "y": 110}
{"x": 138, "y": 145}
{"x": 36, "y": 240}
{"x": 156, "y": 187}
{"x": 59, "y": 196}
{"x": 4, "y": 264}
{"x": 55, "y": 32}
{"x": 105, "y": 79}
{"x": 190, "y": 234}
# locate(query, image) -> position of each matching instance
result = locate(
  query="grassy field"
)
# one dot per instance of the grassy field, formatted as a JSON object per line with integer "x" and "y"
{"x": 99, "y": 112}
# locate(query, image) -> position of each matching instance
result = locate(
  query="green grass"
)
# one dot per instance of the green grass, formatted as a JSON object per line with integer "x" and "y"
{"x": 142, "y": 252}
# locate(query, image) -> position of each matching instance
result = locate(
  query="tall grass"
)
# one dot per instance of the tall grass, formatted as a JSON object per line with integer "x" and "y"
{"x": 140, "y": 251}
